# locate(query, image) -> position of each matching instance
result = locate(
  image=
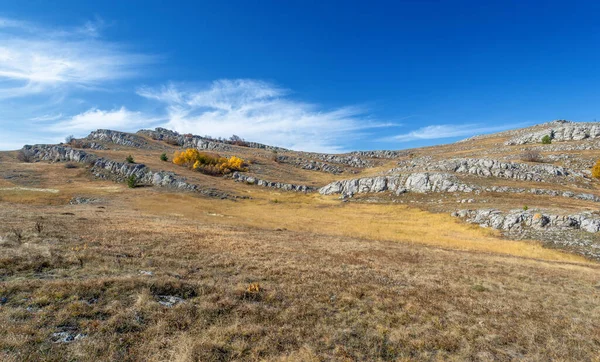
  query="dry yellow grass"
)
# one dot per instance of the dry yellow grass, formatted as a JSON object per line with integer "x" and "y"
{"x": 317, "y": 214}
{"x": 320, "y": 297}
{"x": 279, "y": 277}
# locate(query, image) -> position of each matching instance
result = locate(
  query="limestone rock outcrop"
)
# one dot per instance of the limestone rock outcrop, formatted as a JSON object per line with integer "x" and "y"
{"x": 516, "y": 220}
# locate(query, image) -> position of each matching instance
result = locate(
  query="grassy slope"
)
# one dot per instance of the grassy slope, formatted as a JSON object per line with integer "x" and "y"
{"x": 344, "y": 281}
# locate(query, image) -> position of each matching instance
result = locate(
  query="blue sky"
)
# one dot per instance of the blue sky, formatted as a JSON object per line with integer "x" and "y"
{"x": 301, "y": 74}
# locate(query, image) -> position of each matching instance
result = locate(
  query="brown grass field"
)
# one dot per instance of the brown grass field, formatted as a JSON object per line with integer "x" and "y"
{"x": 277, "y": 277}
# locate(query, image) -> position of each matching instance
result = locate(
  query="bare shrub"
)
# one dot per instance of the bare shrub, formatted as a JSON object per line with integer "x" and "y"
{"x": 531, "y": 156}
{"x": 25, "y": 156}
{"x": 18, "y": 233}
{"x": 39, "y": 227}
{"x": 70, "y": 165}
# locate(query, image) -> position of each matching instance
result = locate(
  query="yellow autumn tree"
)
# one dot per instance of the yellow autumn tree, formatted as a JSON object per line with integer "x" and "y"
{"x": 207, "y": 163}
{"x": 596, "y": 170}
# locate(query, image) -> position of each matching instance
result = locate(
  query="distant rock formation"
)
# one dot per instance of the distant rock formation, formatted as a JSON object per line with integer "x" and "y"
{"x": 516, "y": 220}
{"x": 495, "y": 168}
{"x": 201, "y": 143}
{"x": 559, "y": 131}
{"x": 119, "y": 138}
{"x": 312, "y": 165}
{"x": 416, "y": 182}
{"x": 277, "y": 185}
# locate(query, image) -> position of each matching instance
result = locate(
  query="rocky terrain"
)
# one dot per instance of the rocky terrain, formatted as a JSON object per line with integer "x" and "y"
{"x": 488, "y": 171}
{"x": 462, "y": 251}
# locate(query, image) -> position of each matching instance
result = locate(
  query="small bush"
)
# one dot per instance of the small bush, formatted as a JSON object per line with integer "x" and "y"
{"x": 546, "y": 140}
{"x": 132, "y": 181}
{"x": 69, "y": 139}
{"x": 596, "y": 170}
{"x": 531, "y": 156}
{"x": 129, "y": 159}
{"x": 525, "y": 208}
{"x": 164, "y": 157}
{"x": 24, "y": 156}
{"x": 70, "y": 165}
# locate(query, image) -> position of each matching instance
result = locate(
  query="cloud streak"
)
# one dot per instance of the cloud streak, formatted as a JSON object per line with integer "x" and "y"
{"x": 35, "y": 60}
{"x": 119, "y": 119}
{"x": 442, "y": 131}
{"x": 261, "y": 112}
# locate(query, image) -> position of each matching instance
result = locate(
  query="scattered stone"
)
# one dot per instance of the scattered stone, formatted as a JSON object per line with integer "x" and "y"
{"x": 83, "y": 200}
{"x": 67, "y": 337}
{"x": 145, "y": 272}
{"x": 169, "y": 300}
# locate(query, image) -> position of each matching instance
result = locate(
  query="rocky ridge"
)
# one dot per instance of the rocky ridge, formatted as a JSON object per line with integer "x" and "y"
{"x": 489, "y": 167}
{"x": 277, "y": 185}
{"x": 519, "y": 219}
{"x": 201, "y": 143}
{"x": 559, "y": 131}
{"x": 311, "y": 165}
{"x": 119, "y": 138}
{"x": 424, "y": 182}
{"x": 117, "y": 171}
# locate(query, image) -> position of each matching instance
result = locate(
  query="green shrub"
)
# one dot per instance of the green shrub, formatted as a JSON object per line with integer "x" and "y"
{"x": 129, "y": 159}
{"x": 546, "y": 140}
{"x": 525, "y": 208}
{"x": 132, "y": 181}
{"x": 164, "y": 157}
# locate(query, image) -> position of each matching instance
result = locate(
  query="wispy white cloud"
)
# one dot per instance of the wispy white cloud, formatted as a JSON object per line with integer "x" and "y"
{"x": 262, "y": 112}
{"x": 47, "y": 118}
{"x": 35, "y": 60}
{"x": 119, "y": 119}
{"x": 448, "y": 131}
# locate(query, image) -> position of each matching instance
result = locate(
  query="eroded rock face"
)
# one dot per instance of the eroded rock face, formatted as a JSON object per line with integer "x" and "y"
{"x": 277, "y": 185}
{"x": 559, "y": 131}
{"x": 198, "y": 142}
{"x": 494, "y": 168}
{"x": 380, "y": 154}
{"x": 118, "y": 171}
{"x": 118, "y": 138}
{"x": 312, "y": 165}
{"x": 516, "y": 220}
{"x": 423, "y": 182}
{"x": 416, "y": 182}
{"x": 348, "y": 160}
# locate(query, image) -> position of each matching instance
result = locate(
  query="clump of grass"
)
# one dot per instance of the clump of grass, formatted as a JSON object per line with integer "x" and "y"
{"x": 70, "y": 165}
{"x": 129, "y": 159}
{"x": 525, "y": 208}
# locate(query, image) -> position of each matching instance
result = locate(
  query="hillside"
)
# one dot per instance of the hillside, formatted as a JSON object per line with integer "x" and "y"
{"x": 373, "y": 255}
